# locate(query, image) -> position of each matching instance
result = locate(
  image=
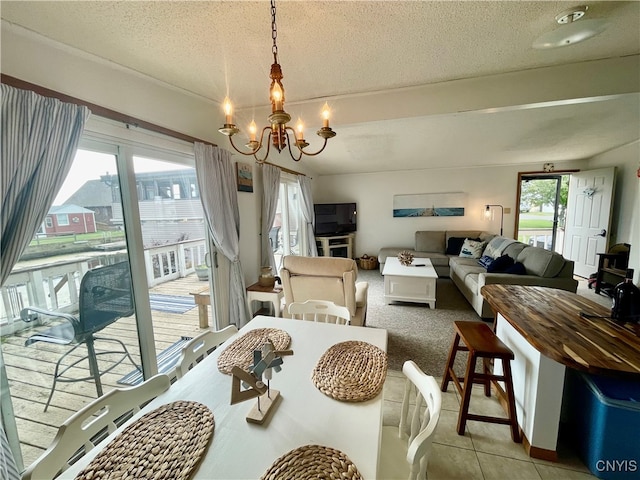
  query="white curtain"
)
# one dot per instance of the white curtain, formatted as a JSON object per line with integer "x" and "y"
{"x": 39, "y": 140}
{"x": 306, "y": 205}
{"x": 270, "y": 190}
{"x": 217, "y": 184}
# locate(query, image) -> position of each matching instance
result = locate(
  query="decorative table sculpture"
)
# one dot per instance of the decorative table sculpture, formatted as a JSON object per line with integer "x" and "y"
{"x": 264, "y": 360}
{"x": 405, "y": 257}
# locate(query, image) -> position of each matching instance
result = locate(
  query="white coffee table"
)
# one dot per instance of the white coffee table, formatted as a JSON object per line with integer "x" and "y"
{"x": 414, "y": 283}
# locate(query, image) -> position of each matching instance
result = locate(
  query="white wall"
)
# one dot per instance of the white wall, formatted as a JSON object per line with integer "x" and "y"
{"x": 625, "y": 226}
{"x": 374, "y": 193}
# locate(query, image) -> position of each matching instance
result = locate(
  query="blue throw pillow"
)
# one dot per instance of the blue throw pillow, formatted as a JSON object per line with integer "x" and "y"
{"x": 517, "y": 268}
{"x": 485, "y": 261}
{"x": 500, "y": 264}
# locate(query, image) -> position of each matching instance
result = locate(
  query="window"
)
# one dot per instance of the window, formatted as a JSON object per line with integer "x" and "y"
{"x": 62, "y": 220}
{"x": 286, "y": 235}
{"x": 48, "y": 221}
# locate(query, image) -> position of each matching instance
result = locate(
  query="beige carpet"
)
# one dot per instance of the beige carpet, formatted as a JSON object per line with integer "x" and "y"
{"x": 415, "y": 331}
{"x": 423, "y": 335}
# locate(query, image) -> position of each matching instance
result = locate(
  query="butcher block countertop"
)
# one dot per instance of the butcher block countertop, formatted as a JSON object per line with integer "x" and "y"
{"x": 551, "y": 321}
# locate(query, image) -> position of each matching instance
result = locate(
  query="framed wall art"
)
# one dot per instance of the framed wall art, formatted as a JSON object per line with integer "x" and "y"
{"x": 430, "y": 205}
{"x": 244, "y": 177}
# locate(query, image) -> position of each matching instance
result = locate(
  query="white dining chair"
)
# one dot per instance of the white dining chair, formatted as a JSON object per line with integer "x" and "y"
{"x": 405, "y": 450}
{"x": 90, "y": 425}
{"x": 320, "y": 311}
{"x": 200, "y": 346}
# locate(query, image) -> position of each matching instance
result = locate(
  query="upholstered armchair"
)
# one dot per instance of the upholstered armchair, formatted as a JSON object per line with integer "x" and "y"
{"x": 325, "y": 278}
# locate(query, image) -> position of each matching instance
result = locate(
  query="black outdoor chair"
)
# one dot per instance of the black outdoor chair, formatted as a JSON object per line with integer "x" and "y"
{"x": 105, "y": 296}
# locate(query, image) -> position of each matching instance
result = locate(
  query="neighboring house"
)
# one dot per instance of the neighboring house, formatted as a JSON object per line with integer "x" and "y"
{"x": 169, "y": 203}
{"x": 97, "y": 197}
{"x": 69, "y": 219}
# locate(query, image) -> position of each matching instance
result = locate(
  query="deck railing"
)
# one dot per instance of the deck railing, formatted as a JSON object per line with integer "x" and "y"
{"x": 54, "y": 284}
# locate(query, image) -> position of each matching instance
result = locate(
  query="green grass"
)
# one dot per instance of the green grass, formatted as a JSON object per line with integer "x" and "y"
{"x": 81, "y": 237}
{"x": 536, "y": 223}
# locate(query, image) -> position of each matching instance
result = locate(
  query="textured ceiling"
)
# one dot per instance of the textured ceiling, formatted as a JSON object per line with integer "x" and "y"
{"x": 337, "y": 49}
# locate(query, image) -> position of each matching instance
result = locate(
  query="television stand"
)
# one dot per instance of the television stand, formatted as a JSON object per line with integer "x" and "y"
{"x": 336, "y": 246}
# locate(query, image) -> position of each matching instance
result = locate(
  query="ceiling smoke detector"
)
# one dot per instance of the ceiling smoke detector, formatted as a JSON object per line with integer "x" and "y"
{"x": 572, "y": 29}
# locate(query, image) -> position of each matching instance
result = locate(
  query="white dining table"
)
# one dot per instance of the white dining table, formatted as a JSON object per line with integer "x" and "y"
{"x": 302, "y": 416}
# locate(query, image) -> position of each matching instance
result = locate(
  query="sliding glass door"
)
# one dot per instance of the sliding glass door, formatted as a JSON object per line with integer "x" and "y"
{"x": 123, "y": 203}
{"x": 76, "y": 237}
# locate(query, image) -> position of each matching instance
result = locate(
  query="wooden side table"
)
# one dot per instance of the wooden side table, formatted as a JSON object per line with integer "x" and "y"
{"x": 258, "y": 293}
{"x": 202, "y": 299}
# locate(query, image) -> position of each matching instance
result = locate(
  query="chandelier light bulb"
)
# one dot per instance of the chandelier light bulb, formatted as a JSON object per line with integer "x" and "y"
{"x": 326, "y": 113}
{"x": 228, "y": 111}
{"x": 253, "y": 128}
{"x": 276, "y": 95}
{"x": 300, "y": 128}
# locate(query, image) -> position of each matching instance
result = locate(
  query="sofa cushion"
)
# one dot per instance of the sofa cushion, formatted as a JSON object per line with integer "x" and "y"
{"x": 427, "y": 241}
{"x": 496, "y": 246}
{"x": 485, "y": 261}
{"x": 471, "y": 282}
{"x": 472, "y": 249}
{"x": 500, "y": 264}
{"x": 462, "y": 269}
{"x": 514, "y": 249}
{"x": 437, "y": 259}
{"x": 517, "y": 269}
{"x": 541, "y": 262}
{"x": 454, "y": 244}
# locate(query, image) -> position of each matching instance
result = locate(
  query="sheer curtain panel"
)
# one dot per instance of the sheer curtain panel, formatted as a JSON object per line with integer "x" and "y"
{"x": 270, "y": 189}
{"x": 40, "y": 136}
{"x": 306, "y": 206}
{"x": 217, "y": 184}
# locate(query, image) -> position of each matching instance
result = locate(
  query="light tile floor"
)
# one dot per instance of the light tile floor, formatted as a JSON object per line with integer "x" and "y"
{"x": 486, "y": 451}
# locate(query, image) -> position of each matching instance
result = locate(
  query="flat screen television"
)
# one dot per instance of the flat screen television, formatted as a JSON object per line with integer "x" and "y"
{"x": 334, "y": 218}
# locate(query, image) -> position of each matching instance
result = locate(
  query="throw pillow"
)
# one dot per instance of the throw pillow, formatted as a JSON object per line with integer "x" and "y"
{"x": 517, "y": 269}
{"x": 472, "y": 248}
{"x": 485, "y": 261}
{"x": 500, "y": 264}
{"x": 454, "y": 245}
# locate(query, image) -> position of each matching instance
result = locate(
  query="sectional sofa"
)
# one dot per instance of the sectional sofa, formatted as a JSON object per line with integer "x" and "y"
{"x": 520, "y": 264}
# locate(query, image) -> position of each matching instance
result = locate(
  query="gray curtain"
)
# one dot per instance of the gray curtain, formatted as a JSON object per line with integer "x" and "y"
{"x": 270, "y": 189}
{"x": 39, "y": 140}
{"x": 306, "y": 205}
{"x": 8, "y": 468}
{"x": 217, "y": 184}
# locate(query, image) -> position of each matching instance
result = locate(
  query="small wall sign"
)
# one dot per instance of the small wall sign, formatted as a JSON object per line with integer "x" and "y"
{"x": 244, "y": 177}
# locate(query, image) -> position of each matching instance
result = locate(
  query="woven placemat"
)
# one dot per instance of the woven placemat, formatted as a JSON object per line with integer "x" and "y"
{"x": 164, "y": 444}
{"x": 351, "y": 371}
{"x": 312, "y": 461}
{"x": 240, "y": 352}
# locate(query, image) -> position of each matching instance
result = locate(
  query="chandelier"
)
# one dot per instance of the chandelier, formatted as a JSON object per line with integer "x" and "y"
{"x": 277, "y": 132}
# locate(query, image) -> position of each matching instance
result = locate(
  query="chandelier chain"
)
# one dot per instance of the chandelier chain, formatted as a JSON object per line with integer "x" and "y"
{"x": 274, "y": 31}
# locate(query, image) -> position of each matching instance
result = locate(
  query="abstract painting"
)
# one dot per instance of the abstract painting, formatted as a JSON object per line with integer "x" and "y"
{"x": 430, "y": 205}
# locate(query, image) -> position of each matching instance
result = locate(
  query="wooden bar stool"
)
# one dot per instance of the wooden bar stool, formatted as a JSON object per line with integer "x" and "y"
{"x": 480, "y": 341}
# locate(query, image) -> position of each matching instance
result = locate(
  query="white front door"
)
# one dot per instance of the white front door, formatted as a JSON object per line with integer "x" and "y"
{"x": 588, "y": 218}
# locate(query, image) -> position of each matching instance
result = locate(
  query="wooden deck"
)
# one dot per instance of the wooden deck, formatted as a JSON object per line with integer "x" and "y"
{"x": 30, "y": 369}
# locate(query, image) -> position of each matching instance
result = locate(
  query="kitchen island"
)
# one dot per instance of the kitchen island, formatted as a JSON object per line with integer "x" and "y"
{"x": 550, "y": 330}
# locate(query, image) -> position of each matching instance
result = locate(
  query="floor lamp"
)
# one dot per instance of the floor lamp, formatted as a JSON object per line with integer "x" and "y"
{"x": 487, "y": 214}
